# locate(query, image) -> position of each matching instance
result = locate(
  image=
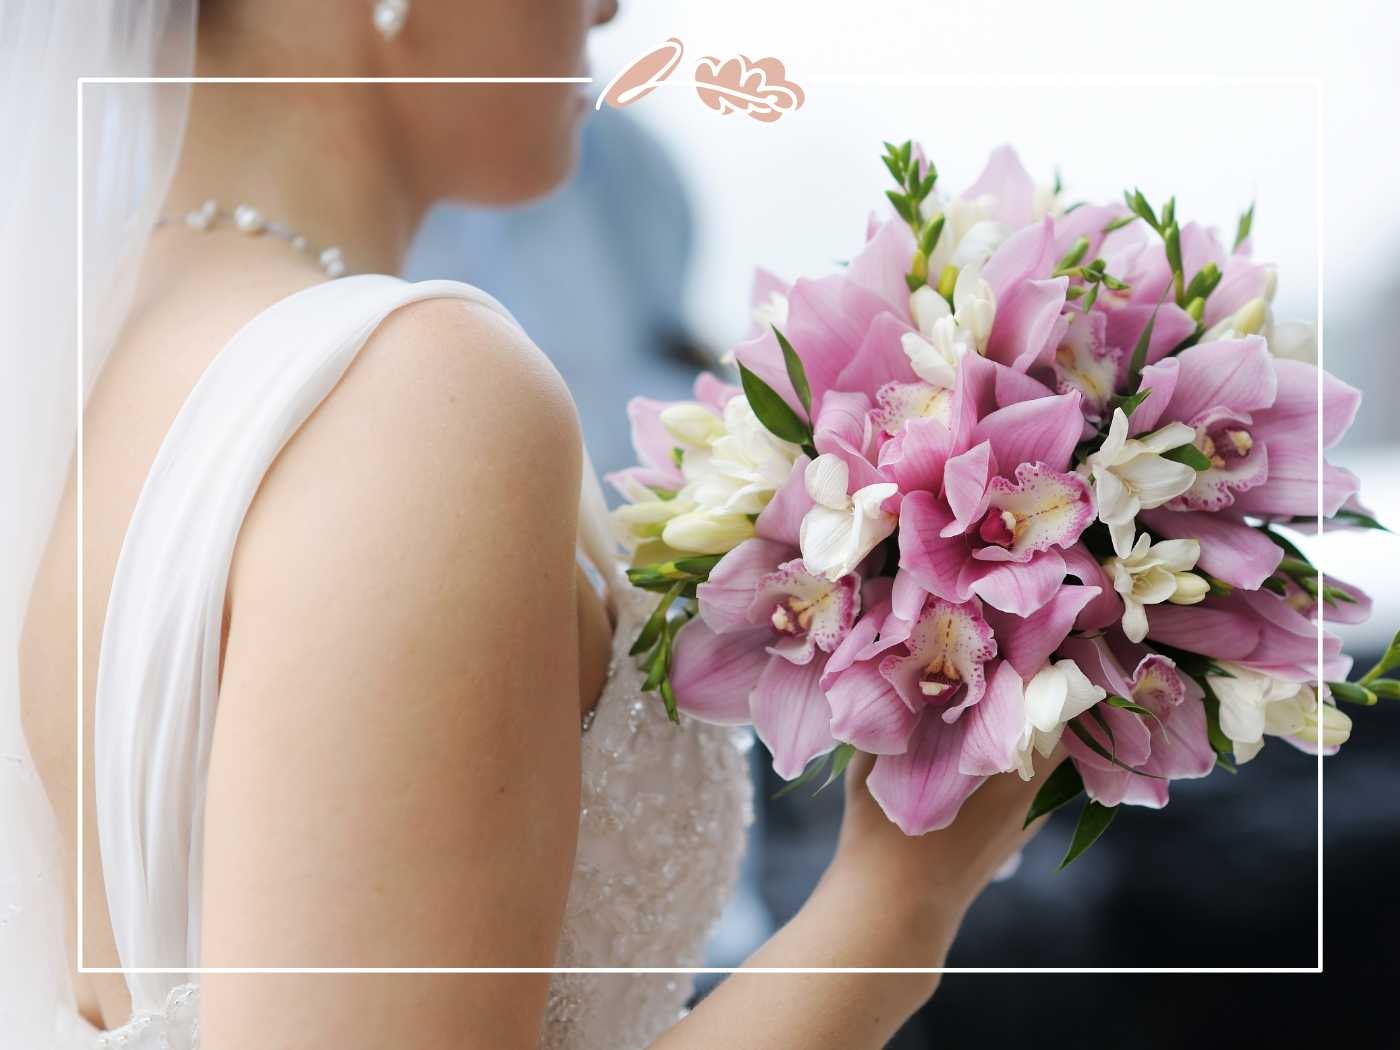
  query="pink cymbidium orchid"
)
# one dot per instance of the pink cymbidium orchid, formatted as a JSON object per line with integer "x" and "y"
{"x": 1255, "y": 420}
{"x": 1004, "y": 511}
{"x": 757, "y": 651}
{"x": 1170, "y": 743}
{"x": 935, "y": 688}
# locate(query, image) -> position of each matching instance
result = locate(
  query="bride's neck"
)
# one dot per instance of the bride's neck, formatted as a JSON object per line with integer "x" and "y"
{"x": 318, "y": 157}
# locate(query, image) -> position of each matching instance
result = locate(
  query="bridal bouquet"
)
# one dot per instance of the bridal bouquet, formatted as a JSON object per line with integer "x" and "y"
{"x": 1020, "y": 476}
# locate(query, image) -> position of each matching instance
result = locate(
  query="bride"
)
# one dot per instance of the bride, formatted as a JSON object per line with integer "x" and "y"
{"x": 349, "y": 690}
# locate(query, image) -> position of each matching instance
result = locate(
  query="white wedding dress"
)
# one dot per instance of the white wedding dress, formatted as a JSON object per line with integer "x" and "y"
{"x": 664, "y": 808}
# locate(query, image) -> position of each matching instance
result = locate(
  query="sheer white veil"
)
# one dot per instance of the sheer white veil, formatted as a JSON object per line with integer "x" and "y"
{"x": 130, "y": 137}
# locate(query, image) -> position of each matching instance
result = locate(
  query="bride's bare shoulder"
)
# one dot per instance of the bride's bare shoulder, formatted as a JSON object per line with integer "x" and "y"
{"x": 449, "y": 414}
{"x": 400, "y": 678}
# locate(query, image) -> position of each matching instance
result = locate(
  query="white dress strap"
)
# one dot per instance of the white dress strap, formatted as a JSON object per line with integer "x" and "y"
{"x": 157, "y": 677}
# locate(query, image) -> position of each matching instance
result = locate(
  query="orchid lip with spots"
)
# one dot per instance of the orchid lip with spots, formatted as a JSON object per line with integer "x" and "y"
{"x": 1023, "y": 481}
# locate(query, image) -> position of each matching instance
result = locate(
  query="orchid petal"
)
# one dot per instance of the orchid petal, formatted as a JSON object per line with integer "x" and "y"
{"x": 1041, "y": 431}
{"x": 868, "y": 712}
{"x": 713, "y": 674}
{"x": 725, "y": 597}
{"x": 993, "y": 726}
{"x": 921, "y": 790}
{"x": 791, "y": 716}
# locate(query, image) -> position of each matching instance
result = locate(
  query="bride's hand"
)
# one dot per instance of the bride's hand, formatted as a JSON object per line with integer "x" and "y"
{"x": 887, "y": 900}
{"x": 936, "y": 876}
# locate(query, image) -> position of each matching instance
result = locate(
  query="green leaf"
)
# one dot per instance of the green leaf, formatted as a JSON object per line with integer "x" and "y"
{"x": 933, "y": 229}
{"x": 1276, "y": 585}
{"x": 1074, "y": 255}
{"x": 1385, "y": 688}
{"x": 1094, "y": 820}
{"x": 1283, "y": 541}
{"x": 1138, "y": 205}
{"x": 1188, "y": 454}
{"x": 1139, "y": 357}
{"x": 1062, "y": 786}
{"x": 1346, "y": 517}
{"x": 893, "y": 167}
{"x": 1103, "y": 752}
{"x": 1246, "y": 224}
{"x": 1124, "y": 704}
{"x": 1130, "y": 403}
{"x": 1119, "y": 223}
{"x": 1221, "y": 744}
{"x": 772, "y": 411}
{"x": 797, "y": 374}
{"x": 1297, "y": 566}
{"x": 840, "y": 759}
{"x": 1172, "y": 239}
{"x": 1352, "y": 693}
{"x": 813, "y": 770}
{"x": 1102, "y": 723}
{"x": 668, "y": 697}
{"x": 901, "y": 205}
{"x": 660, "y": 668}
{"x": 1091, "y": 297}
{"x": 1333, "y": 595}
{"x": 1169, "y": 212}
{"x": 1203, "y": 283}
{"x": 651, "y": 630}
{"x": 699, "y": 566}
{"x": 1388, "y": 659}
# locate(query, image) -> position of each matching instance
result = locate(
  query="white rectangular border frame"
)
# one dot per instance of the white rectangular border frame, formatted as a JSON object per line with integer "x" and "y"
{"x": 1313, "y": 81}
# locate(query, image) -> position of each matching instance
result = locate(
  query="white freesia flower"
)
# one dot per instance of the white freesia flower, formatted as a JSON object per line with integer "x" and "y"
{"x": 974, "y": 305}
{"x": 1253, "y": 703}
{"x": 1299, "y": 717}
{"x": 707, "y": 532}
{"x": 730, "y": 466}
{"x": 1153, "y": 573}
{"x": 1130, "y": 475}
{"x": 1253, "y": 318}
{"x": 645, "y": 514}
{"x": 691, "y": 425}
{"x": 970, "y": 234}
{"x": 740, "y": 468}
{"x": 934, "y": 350}
{"x": 841, "y": 529}
{"x": 1057, "y": 694}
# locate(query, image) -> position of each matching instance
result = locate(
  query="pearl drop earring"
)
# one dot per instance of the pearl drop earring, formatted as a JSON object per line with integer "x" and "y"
{"x": 389, "y": 17}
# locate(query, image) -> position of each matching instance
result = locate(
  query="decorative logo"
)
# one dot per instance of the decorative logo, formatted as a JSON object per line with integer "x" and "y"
{"x": 759, "y": 88}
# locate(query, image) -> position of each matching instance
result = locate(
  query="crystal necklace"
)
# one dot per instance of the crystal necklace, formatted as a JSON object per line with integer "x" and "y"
{"x": 248, "y": 220}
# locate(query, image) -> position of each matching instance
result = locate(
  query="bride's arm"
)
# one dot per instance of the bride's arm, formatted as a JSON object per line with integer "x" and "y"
{"x": 885, "y": 901}
{"x": 395, "y": 772}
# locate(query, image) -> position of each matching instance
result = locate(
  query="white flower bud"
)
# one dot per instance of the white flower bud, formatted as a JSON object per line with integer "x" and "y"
{"x": 1336, "y": 725}
{"x": 1190, "y": 589}
{"x": 692, "y": 424}
{"x": 707, "y": 533}
{"x": 635, "y": 523}
{"x": 1251, "y": 318}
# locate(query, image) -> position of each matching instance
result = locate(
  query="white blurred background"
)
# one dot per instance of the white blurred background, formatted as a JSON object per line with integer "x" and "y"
{"x": 1217, "y": 103}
